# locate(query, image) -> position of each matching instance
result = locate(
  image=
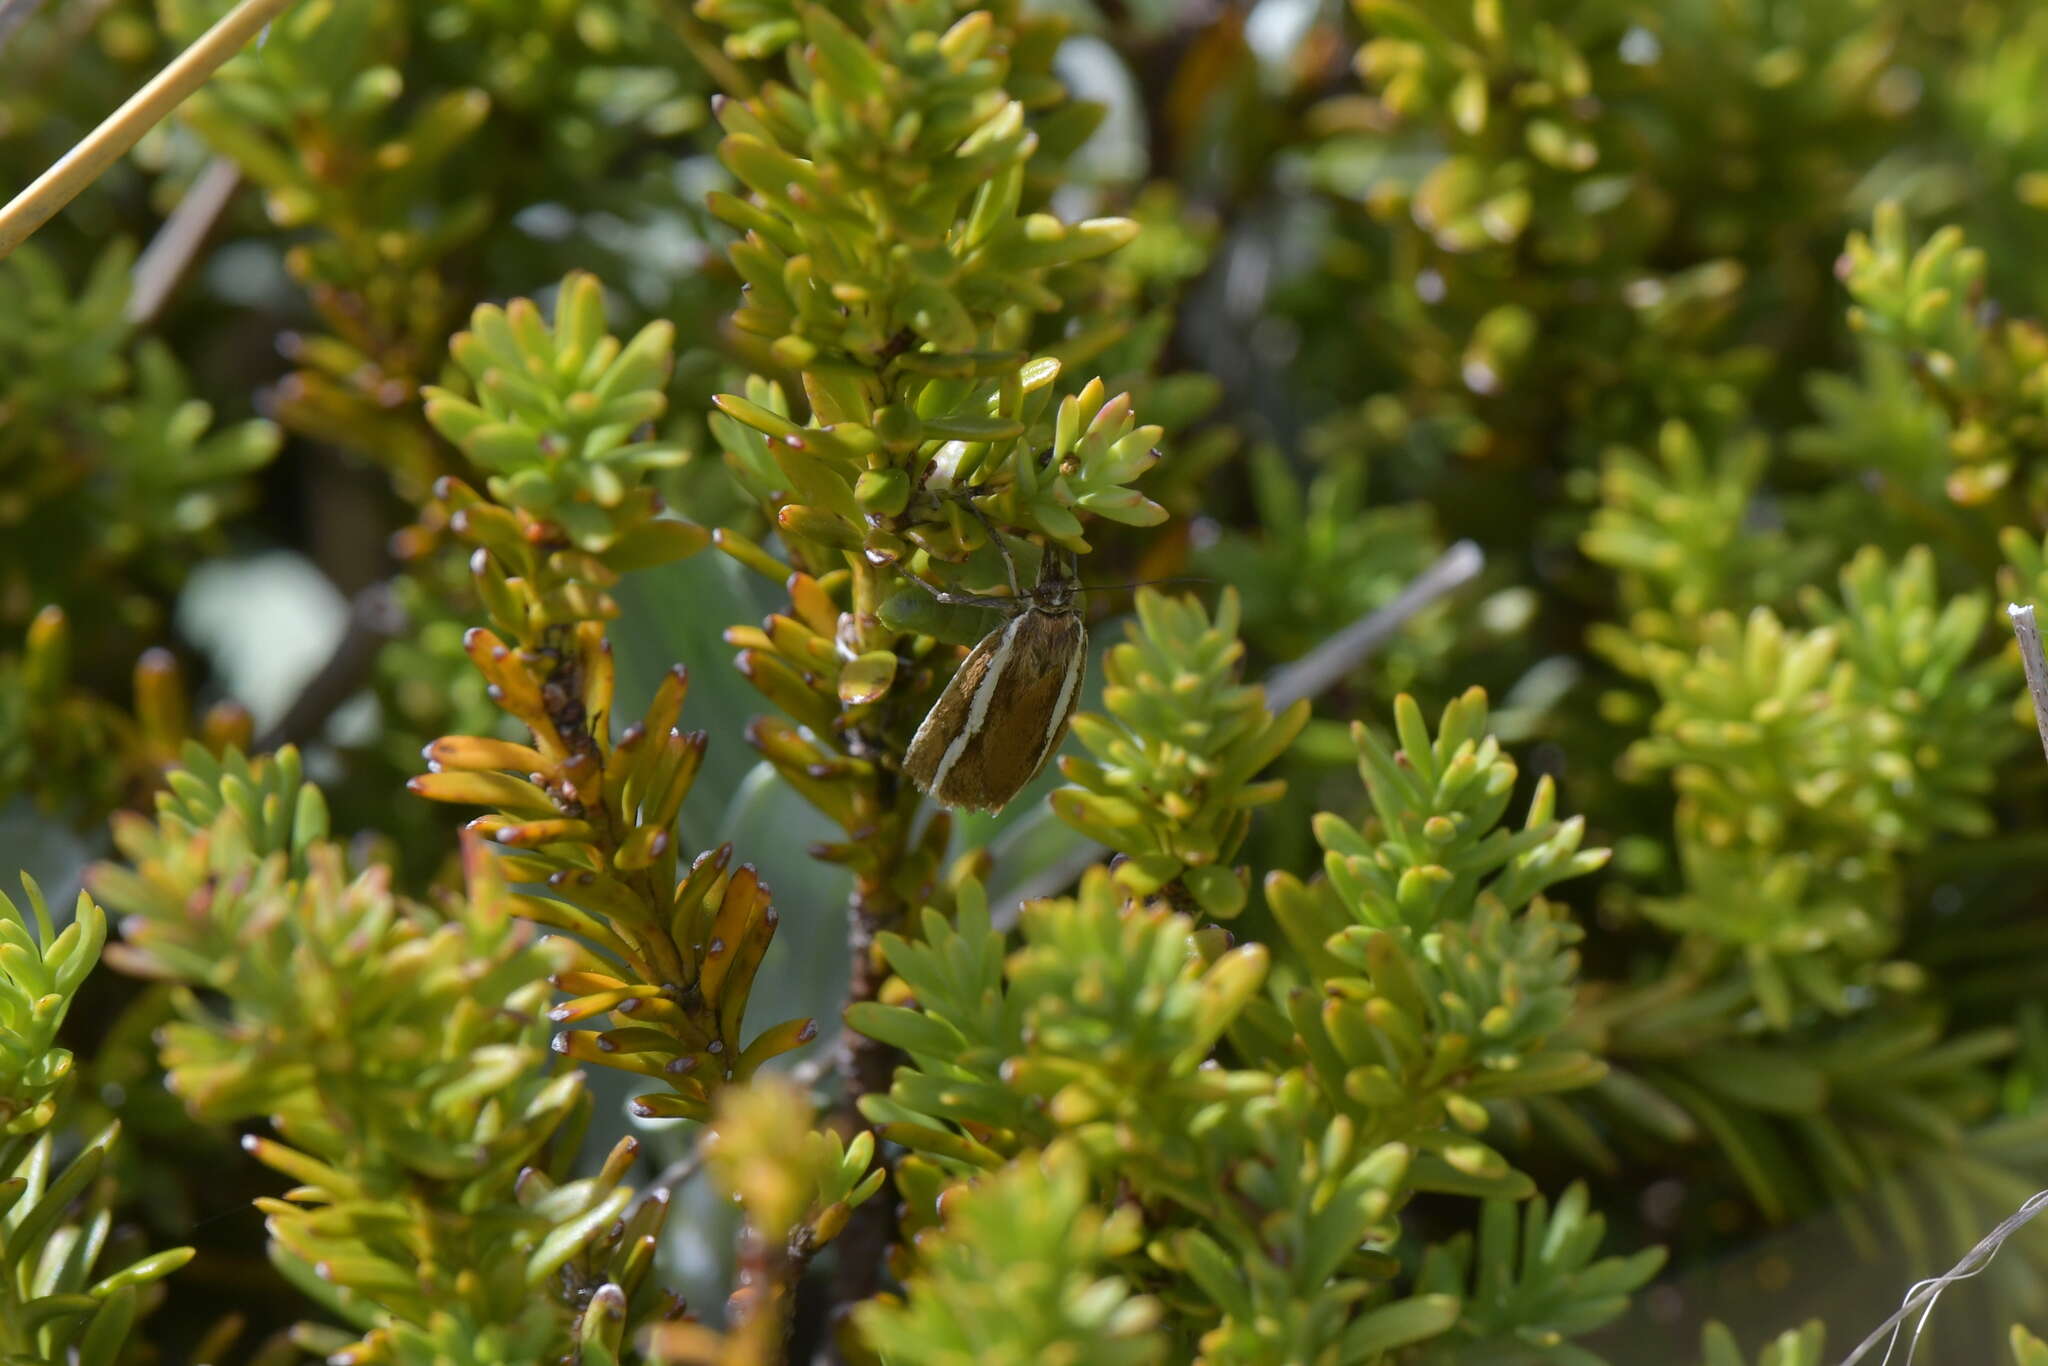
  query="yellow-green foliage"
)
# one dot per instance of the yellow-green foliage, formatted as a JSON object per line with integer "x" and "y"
{"x": 1674, "y": 879}
{"x": 60, "y": 1299}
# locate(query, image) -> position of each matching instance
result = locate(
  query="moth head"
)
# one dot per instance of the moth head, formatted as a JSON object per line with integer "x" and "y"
{"x": 1056, "y": 596}
{"x": 1058, "y": 590}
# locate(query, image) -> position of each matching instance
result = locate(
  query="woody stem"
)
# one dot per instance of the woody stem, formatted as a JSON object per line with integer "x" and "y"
{"x": 866, "y": 1065}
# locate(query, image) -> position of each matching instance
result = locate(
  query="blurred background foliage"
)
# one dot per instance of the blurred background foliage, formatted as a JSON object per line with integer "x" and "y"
{"x": 1713, "y": 322}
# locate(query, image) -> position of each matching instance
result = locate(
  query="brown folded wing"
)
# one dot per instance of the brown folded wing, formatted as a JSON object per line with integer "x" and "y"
{"x": 1022, "y": 719}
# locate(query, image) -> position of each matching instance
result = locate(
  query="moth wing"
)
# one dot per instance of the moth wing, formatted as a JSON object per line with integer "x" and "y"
{"x": 1013, "y": 711}
{"x": 1070, "y": 698}
{"x": 949, "y": 715}
{"x": 1059, "y": 664}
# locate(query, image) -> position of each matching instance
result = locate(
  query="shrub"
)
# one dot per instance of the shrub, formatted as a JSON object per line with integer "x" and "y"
{"x": 1558, "y": 878}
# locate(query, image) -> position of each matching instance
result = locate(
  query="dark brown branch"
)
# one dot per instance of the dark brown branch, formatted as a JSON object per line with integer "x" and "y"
{"x": 865, "y": 1067}
{"x": 680, "y": 1172}
{"x": 13, "y": 14}
{"x": 727, "y": 73}
{"x": 1309, "y": 676}
{"x": 170, "y": 253}
{"x": 1316, "y": 671}
{"x": 769, "y": 1274}
{"x": 374, "y": 617}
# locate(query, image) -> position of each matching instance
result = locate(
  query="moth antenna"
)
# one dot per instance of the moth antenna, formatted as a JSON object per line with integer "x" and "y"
{"x": 1143, "y": 583}
{"x": 996, "y": 539}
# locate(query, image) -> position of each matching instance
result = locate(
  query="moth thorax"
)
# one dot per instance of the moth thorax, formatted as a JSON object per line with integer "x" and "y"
{"x": 1055, "y": 597}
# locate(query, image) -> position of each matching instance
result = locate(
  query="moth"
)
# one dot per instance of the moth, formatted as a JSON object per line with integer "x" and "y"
{"x": 1008, "y": 706}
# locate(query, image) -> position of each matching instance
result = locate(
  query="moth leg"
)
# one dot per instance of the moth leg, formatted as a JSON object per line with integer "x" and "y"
{"x": 996, "y": 539}
{"x": 952, "y": 599}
